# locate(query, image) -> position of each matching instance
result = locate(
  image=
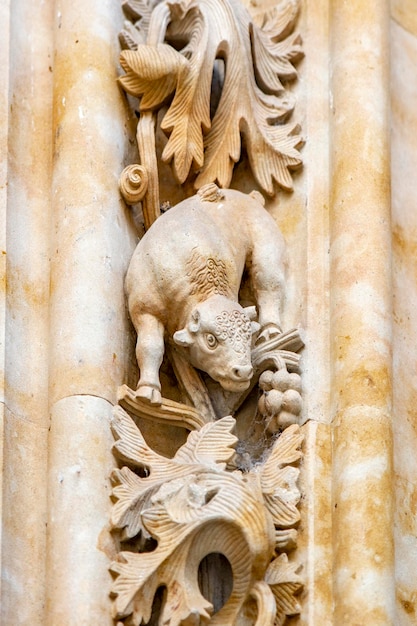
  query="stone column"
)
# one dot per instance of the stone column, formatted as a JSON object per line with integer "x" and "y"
{"x": 28, "y": 120}
{"x": 361, "y": 295}
{"x": 90, "y": 336}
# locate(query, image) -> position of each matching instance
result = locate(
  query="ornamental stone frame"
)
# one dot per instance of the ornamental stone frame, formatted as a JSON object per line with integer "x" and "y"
{"x": 67, "y": 132}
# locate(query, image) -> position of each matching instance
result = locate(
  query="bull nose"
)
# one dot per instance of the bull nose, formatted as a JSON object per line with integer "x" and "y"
{"x": 243, "y": 371}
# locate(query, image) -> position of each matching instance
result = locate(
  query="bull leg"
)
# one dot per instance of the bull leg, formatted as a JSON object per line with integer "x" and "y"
{"x": 268, "y": 279}
{"x": 269, "y": 315}
{"x": 149, "y": 354}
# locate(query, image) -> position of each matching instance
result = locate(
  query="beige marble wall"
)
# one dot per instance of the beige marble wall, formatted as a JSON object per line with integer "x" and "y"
{"x": 66, "y": 343}
{"x": 404, "y": 215}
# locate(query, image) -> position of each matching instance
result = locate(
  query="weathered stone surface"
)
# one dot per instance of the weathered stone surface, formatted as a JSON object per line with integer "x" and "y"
{"x": 72, "y": 337}
{"x": 404, "y": 163}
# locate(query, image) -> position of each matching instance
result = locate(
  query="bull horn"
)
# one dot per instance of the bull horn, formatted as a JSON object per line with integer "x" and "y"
{"x": 255, "y": 327}
{"x": 250, "y": 311}
{"x": 194, "y": 325}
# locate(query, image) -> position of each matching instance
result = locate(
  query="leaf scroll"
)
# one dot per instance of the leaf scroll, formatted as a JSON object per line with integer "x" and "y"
{"x": 151, "y": 71}
{"x": 190, "y": 506}
{"x": 279, "y": 478}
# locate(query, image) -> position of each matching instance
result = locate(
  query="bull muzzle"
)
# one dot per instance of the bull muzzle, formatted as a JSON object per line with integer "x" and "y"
{"x": 242, "y": 372}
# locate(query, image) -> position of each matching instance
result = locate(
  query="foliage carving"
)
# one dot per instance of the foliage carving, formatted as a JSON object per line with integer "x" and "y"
{"x": 217, "y": 42}
{"x": 191, "y": 506}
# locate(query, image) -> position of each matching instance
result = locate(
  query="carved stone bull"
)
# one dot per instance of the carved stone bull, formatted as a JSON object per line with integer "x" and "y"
{"x": 183, "y": 282}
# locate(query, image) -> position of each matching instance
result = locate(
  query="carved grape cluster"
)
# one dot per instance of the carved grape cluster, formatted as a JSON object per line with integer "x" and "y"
{"x": 280, "y": 403}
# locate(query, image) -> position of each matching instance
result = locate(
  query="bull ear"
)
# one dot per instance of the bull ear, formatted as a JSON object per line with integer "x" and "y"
{"x": 194, "y": 324}
{"x": 183, "y": 338}
{"x": 254, "y": 327}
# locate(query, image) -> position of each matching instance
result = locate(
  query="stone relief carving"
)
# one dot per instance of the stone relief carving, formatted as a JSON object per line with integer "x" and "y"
{"x": 204, "y": 288}
{"x": 178, "y": 296}
{"x": 223, "y": 74}
{"x": 190, "y": 506}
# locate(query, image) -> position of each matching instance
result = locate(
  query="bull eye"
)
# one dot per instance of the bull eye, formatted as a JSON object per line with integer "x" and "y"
{"x": 211, "y": 341}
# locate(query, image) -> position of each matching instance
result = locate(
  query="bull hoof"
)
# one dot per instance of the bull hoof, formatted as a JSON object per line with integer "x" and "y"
{"x": 149, "y": 394}
{"x": 270, "y": 331}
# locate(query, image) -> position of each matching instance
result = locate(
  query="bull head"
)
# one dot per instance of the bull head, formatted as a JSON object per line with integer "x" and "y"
{"x": 218, "y": 338}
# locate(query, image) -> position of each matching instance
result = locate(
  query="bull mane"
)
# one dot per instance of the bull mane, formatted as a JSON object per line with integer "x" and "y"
{"x": 208, "y": 276}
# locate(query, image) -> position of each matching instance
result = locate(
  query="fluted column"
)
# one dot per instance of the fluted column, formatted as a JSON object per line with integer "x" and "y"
{"x": 360, "y": 283}
{"x": 26, "y": 419}
{"x": 90, "y": 336}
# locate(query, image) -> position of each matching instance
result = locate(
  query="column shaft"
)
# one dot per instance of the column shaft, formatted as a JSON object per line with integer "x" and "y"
{"x": 90, "y": 335}
{"x": 360, "y": 281}
{"x": 26, "y": 416}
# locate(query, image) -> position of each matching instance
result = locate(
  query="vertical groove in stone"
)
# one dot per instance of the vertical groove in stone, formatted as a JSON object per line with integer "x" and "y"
{"x": 90, "y": 336}
{"x": 4, "y": 139}
{"x": 361, "y": 314}
{"x": 315, "y": 546}
{"x": 26, "y": 317}
{"x": 316, "y": 356}
{"x": 404, "y": 228}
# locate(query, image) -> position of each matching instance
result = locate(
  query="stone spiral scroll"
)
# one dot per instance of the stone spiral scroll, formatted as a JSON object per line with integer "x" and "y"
{"x": 133, "y": 183}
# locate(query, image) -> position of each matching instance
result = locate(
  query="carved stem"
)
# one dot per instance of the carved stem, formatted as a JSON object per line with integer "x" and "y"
{"x": 170, "y": 412}
{"x": 145, "y": 133}
{"x": 145, "y": 136}
{"x": 193, "y": 386}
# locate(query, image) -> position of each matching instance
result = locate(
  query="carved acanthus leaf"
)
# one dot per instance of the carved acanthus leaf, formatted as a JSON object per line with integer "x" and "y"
{"x": 181, "y": 515}
{"x": 275, "y": 47}
{"x": 285, "y": 584}
{"x": 213, "y": 444}
{"x": 132, "y": 492}
{"x": 253, "y": 100}
{"x": 282, "y": 504}
{"x": 130, "y": 446}
{"x": 136, "y": 26}
{"x": 285, "y": 452}
{"x": 151, "y": 72}
{"x": 256, "y": 110}
{"x": 127, "y": 490}
{"x": 140, "y": 575}
{"x": 279, "y": 478}
{"x": 191, "y": 506}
